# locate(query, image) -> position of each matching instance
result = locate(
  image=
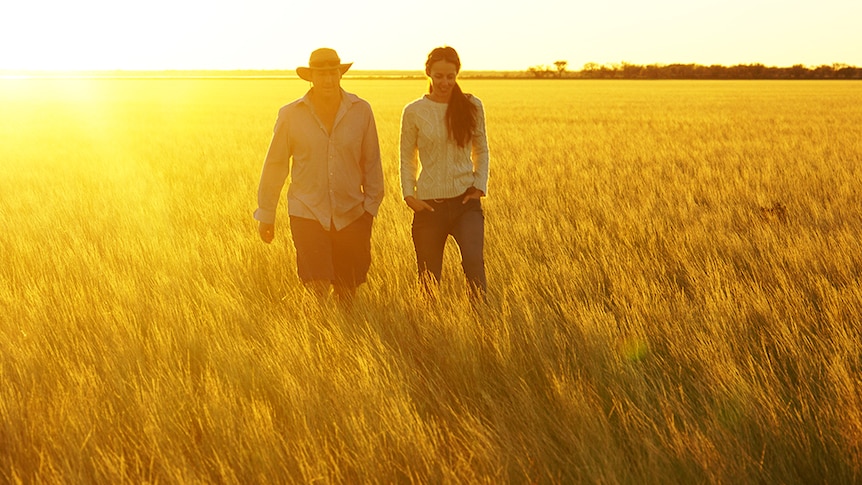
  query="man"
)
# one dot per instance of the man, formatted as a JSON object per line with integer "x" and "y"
{"x": 336, "y": 179}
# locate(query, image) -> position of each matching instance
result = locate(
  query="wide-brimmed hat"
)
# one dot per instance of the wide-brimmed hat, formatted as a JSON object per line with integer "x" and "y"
{"x": 323, "y": 58}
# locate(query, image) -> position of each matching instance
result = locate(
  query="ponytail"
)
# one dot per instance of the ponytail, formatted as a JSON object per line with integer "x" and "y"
{"x": 460, "y": 117}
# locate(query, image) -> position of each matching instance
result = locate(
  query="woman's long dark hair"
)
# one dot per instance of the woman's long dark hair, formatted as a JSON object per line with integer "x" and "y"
{"x": 461, "y": 112}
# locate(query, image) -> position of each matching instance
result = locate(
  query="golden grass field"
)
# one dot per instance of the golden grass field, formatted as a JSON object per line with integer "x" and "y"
{"x": 674, "y": 293}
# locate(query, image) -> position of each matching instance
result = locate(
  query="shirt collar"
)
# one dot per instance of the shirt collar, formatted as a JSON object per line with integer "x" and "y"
{"x": 347, "y": 99}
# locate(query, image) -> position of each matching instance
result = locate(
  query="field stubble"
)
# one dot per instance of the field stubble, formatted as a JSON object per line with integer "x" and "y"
{"x": 674, "y": 277}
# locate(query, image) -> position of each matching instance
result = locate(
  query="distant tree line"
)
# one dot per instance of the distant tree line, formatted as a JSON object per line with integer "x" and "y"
{"x": 547, "y": 72}
{"x": 695, "y": 71}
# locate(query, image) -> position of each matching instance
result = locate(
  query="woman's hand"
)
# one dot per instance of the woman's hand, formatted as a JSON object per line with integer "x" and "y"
{"x": 472, "y": 193}
{"x": 417, "y": 205}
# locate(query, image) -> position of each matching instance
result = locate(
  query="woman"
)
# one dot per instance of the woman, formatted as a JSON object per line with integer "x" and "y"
{"x": 444, "y": 172}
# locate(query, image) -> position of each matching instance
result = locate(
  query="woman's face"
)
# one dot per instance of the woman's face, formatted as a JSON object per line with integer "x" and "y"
{"x": 443, "y": 75}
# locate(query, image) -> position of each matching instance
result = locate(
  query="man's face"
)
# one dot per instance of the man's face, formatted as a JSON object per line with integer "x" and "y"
{"x": 326, "y": 81}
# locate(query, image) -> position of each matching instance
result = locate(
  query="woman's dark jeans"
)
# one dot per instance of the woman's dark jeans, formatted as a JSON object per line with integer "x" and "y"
{"x": 466, "y": 223}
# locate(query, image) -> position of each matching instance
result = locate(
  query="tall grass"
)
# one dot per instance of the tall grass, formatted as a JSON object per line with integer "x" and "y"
{"x": 651, "y": 318}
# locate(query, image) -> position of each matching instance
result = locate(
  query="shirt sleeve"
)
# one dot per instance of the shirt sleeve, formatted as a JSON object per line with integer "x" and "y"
{"x": 276, "y": 167}
{"x": 372, "y": 184}
{"x": 409, "y": 153}
{"x": 480, "y": 155}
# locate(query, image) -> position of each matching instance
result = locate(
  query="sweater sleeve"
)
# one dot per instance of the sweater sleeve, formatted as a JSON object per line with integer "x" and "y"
{"x": 480, "y": 155}
{"x": 409, "y": 153}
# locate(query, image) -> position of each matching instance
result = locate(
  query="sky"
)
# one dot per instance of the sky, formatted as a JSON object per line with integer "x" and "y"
{"x": 398, "y": 34}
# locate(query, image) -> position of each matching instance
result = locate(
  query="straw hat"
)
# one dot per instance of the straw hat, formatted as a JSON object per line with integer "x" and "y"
{"x": 323, "y": 58}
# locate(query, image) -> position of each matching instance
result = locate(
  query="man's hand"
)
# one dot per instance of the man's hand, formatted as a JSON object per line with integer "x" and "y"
{"x": 472, "y": 193}
{"x": 417, "y": 205}
{"x": 267, "y": 231}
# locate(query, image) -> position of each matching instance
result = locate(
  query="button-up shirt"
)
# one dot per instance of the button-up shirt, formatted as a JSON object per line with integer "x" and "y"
{"x": 335, "y": 176}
